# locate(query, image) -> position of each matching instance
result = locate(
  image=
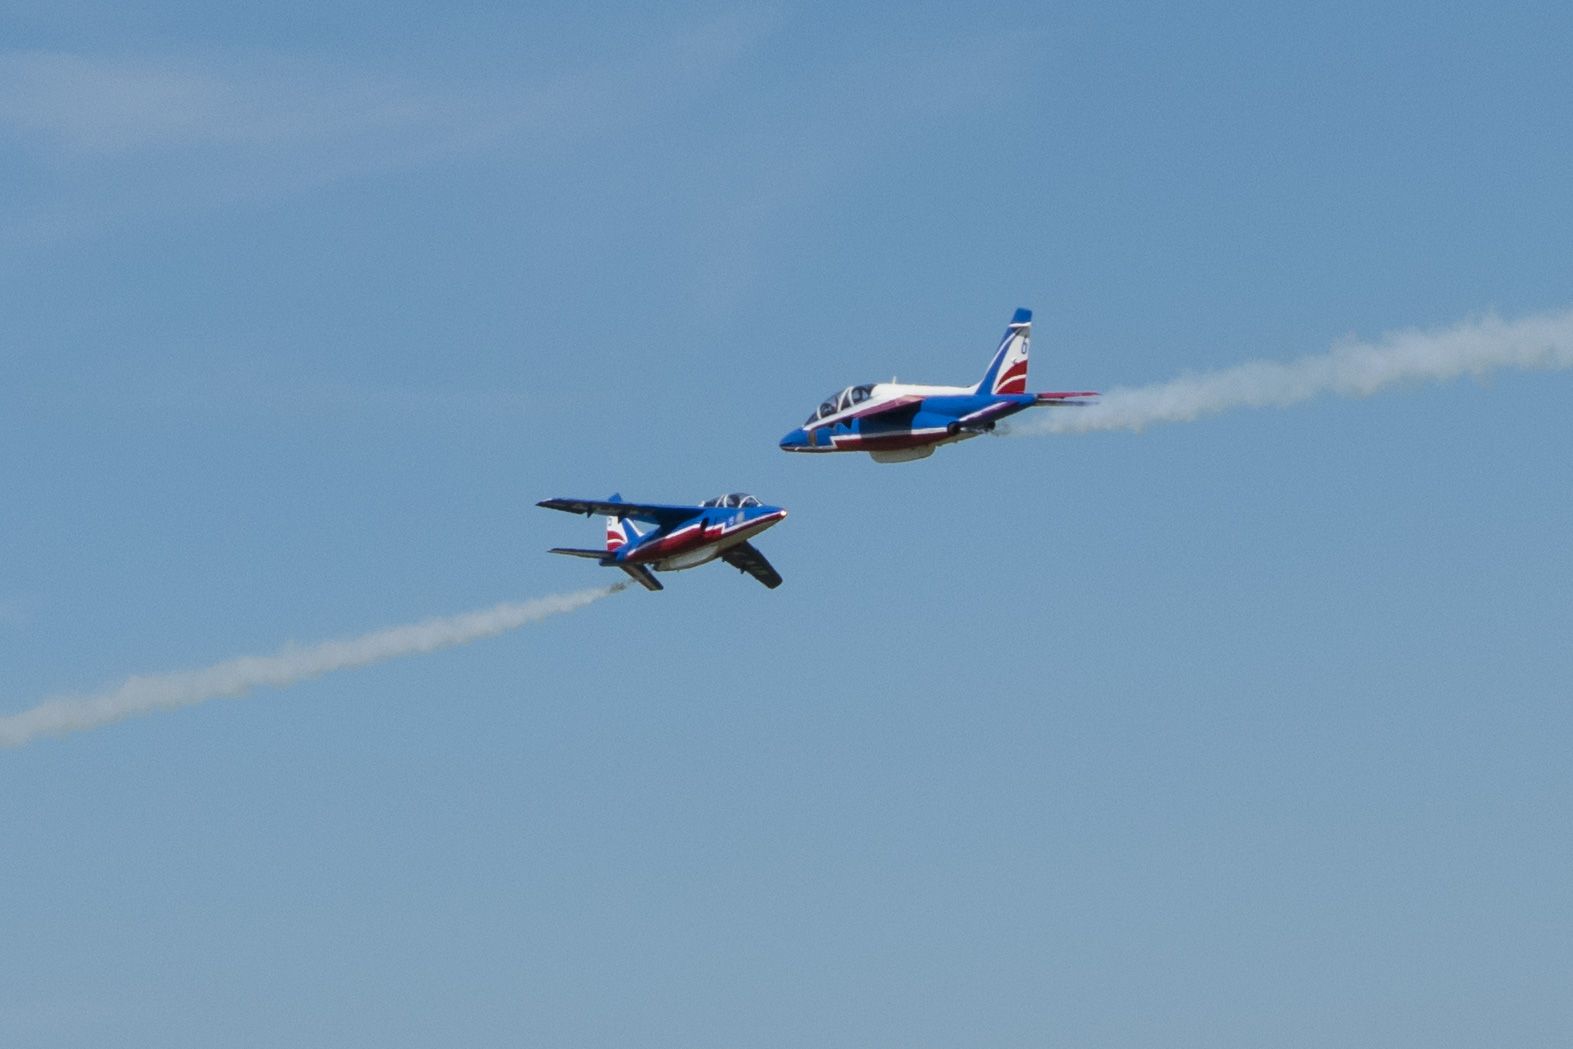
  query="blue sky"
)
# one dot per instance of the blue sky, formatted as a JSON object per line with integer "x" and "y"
{"x": 1250, "y": 731}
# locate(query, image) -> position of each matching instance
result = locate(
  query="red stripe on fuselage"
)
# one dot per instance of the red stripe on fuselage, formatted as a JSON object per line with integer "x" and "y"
{"x": 890, "y": 442}
{"x": 680, "y": 541}
{"x": 695, "y": 536}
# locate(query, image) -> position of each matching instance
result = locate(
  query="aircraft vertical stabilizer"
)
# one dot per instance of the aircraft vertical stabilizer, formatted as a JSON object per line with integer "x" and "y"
{"x": 1008, "y": 370}
{"x": 619, "y": 533}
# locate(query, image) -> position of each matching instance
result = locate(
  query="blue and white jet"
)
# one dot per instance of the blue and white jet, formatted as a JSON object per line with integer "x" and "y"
{"x": 897, "y": 422}
{"x": 679, "y": 537}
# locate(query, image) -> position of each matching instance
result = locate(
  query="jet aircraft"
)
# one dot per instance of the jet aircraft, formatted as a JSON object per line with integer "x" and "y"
{"x": 679, "y": 536}
{"x": 897, "y": 422}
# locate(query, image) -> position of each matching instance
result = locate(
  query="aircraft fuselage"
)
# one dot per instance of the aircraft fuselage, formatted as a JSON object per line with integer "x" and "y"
{"x": 699, "y": 541}
{"x": 931, "y": 416}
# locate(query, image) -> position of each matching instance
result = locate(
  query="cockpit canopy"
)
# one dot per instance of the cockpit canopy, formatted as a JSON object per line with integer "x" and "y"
{"x": 840, "y": 402}
{"x": 738, "y": 499}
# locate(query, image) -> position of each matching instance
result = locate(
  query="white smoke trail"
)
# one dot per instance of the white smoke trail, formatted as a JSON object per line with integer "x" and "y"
{"x": 235, "y": 677}
{"x": 1353, "y": 369}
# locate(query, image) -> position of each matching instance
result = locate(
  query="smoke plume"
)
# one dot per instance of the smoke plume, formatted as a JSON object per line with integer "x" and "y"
{"x": 1352, "y": 369}
{"x": 236, "y": 677}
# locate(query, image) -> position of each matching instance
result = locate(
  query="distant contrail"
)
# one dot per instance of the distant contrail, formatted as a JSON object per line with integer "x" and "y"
{"x": 235, "y": 677}
{"x": 1353, "y": 369}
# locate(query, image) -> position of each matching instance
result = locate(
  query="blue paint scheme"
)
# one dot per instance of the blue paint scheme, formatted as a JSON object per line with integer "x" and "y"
{"x": 896, "y": 422}
{"x": 680, "y": 536}
{"x": 943, "y": 413}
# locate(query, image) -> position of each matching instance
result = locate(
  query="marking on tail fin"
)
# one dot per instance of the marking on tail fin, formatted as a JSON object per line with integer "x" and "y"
{"x": 616, "y": 539}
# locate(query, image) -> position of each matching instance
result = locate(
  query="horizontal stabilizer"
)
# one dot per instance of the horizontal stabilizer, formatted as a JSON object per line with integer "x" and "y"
{"x": 642, "y": 575}
{"x": 1056, "y": 399}
{"x": 599, "y": 555}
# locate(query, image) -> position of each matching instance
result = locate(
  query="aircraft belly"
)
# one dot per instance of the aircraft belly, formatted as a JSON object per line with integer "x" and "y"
{"x": 690, "y": 558}
{"x": 900, "y": 455}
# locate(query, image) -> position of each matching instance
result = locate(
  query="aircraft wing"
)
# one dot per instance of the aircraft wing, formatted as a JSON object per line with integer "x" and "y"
{"x": 746, "y": 558}
{"x": 1078, "y": 397}
{"x": 657, "y": 512}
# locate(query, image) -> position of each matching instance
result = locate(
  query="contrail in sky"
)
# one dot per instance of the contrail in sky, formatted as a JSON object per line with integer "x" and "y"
{"x": 236, "y": 677}
{"x": 1352, "y": 369}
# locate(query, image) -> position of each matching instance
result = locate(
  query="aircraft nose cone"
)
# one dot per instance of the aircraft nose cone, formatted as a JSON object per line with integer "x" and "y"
{"x": 794, "y": 440}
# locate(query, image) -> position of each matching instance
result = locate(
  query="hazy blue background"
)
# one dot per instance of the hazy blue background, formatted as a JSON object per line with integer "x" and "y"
{"x": 1249, "y": 732}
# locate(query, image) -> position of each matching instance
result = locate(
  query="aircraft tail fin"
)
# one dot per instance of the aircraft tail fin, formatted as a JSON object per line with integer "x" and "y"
{"x": 1008, "y": 370}
{"x": 619, "y": 530}
{"x": 641, "y": 573}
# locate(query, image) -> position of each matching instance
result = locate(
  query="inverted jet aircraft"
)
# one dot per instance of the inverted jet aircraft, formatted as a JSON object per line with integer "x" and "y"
{"x": 679, "y": 536}
{"x": 897, "y": 422}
